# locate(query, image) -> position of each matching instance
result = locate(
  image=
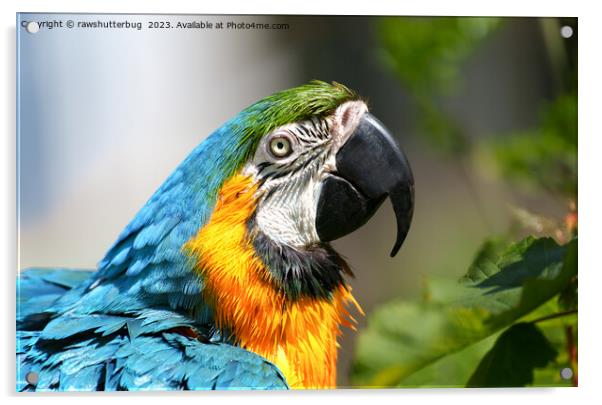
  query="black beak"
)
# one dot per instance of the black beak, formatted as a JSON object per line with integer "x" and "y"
{"x": 370, "y": 167}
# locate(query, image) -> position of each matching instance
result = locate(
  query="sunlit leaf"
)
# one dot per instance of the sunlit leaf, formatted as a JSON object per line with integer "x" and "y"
{"x": 453, "y": 370}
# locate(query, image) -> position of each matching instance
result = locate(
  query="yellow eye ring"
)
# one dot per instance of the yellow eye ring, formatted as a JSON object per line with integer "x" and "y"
{"x": 280, "y": 147}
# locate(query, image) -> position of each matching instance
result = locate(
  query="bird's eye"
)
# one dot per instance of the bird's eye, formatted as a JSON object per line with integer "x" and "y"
{"x": 280, "y": 147}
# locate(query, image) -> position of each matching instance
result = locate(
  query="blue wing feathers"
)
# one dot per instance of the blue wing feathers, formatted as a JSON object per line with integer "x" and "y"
{"x": 137, "y": 351}
{"x": 38, "y": 289}
{"x": 39, "y": 281}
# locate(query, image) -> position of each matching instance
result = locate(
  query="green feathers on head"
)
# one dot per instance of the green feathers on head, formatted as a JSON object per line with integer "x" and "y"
{"x": 316, "y": 98}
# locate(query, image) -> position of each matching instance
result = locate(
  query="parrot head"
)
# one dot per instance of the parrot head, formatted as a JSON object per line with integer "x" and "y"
{"x": 321, "y": 178}
{"x": 311, "y": 165}
{"x": 319, "y": 166}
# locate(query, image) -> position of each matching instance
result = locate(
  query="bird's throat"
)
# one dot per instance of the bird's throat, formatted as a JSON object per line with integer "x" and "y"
{"x": 299, "y": 336}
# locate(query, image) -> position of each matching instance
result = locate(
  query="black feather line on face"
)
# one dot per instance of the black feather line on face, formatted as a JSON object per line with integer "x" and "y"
{"x": 314, "y": 272}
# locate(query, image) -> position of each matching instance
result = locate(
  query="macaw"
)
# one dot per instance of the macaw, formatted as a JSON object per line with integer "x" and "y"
{"x": 225, "y": 279}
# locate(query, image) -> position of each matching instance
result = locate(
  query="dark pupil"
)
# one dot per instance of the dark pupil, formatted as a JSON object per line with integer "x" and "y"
{"x": 280, "y": 145}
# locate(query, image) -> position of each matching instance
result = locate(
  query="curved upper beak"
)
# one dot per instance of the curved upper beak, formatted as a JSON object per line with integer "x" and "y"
{"x": 369, "y": 167}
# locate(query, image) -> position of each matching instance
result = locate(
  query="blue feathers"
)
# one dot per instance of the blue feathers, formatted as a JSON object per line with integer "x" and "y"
{"x": 153, "y": 349}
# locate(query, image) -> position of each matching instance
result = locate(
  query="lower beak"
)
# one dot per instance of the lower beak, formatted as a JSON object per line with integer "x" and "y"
{"x": 370, "y": 167}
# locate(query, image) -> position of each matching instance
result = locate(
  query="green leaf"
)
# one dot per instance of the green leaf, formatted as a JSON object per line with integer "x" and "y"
{"x": 555, "y": 330}
{"x": 500, "y": 288}
{"x": 568, "y": 298}
{"x": 453, "y": 370}
{"x": 514, "y": 357}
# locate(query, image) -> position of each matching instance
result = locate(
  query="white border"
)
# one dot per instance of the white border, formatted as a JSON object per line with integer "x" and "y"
{"x": 344, "y": 7}
{"x": 590, "y": 147}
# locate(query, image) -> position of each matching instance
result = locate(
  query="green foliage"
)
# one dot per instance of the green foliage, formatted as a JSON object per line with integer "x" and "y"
{"x": 426, "y": 52}
{"x": 568, "y": 298}
{"x": 513, "y": 358}
{"x": 452, "y": 370}
{"x": 545, "y": 156}
{"x": 511, "y": 320}
{"x": 555, "y": 330}
{"x": 504, "y": 284}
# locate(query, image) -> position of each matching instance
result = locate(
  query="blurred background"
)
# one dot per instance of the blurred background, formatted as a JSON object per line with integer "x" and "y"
{"x": 485, "y": 109}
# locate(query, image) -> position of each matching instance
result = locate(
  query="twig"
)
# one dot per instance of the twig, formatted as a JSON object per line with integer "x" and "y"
{"x": 554, "y": 316}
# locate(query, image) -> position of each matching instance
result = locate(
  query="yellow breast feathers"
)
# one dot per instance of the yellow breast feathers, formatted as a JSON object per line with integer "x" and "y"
{"x": 299, "y": 336}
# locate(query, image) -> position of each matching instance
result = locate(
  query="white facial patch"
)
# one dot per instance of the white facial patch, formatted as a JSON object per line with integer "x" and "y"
{"x": 290, "y": 185}
{"x": 289, "y": 216}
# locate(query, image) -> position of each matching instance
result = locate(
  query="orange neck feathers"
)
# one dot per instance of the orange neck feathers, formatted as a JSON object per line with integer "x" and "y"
{"x": 299, "y": 336}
